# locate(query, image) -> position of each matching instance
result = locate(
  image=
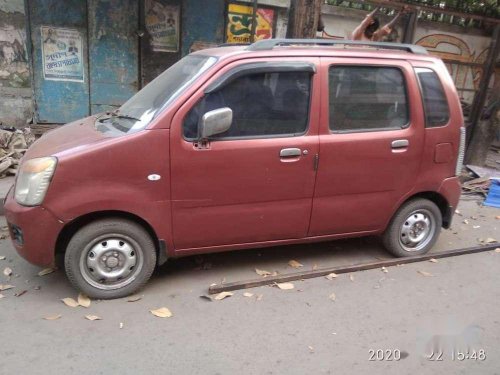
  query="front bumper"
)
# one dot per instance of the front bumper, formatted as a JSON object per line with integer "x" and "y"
{"x": 33, "y": 231}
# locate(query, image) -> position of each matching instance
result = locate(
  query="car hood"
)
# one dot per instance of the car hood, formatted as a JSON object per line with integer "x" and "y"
{"x": 74, "y": 135}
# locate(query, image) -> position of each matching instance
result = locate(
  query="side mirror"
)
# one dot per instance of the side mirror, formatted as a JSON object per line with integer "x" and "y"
{"x": 215, "y": 122}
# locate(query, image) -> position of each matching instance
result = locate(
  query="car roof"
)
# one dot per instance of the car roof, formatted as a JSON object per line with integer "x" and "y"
{"x": 370, "y": 50}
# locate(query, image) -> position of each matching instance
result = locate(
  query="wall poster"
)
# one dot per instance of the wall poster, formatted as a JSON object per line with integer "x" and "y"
{"x": 62, "y": 54}
{"x": 239, "y": 25}
{"x": 162, "y": 24}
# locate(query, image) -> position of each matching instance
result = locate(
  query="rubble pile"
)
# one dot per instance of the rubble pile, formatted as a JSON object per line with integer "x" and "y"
{"x": 13, "y": 145}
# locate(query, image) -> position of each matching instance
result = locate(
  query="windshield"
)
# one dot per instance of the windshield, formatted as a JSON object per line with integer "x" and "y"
{"x": 143, "y": 107}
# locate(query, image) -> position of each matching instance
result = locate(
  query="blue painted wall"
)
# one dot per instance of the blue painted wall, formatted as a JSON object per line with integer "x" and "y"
{"x": 203, "y": 20}
{"x": 113, "y": 52}
{"x": 58, "y": 101}
{"x": 111, "y": 55}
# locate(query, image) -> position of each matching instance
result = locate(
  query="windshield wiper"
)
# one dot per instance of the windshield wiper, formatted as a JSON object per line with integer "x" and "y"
{"x": 116, "y": 113}
{"x": 127, "y": 117}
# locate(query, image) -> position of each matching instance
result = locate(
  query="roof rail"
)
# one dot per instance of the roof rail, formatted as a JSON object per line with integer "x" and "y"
{"x": 234, "y": 44}
{"x": 269, "y": 44}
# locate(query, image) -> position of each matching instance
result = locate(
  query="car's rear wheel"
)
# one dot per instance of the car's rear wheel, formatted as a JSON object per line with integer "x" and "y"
{"x": 110, "y": 258}
{"x": 414, "y": 229}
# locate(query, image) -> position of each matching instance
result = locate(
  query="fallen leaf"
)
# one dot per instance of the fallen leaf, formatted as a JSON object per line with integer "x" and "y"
{"x": 351, "y": 277}
{"x": 490, "y": 240}
{"x": 19, "y": 294}
{"x": 46, "y": 271}
{"x": 206, "y": 298}
{"x": 2, "y": 257}
{"x": 385, "y": 270}
{"x": 134, "y": 298}
{"x": 332, "y": 297}
{"x": 262, "y": 272}
{"x": 7, "y": 271}
{"x": 295, "y": 264}
{"x": 466, "y": 221}
{"x": 331, "y": 276}
{"x": 458, "y": 212}
{"x": 53, "y": 317}
{"x": 497, "y": 250}
{"x": 285, "y": 286}
{"x": 432, "y": 260}
{"x": 424, "y": 273}
{"x": 83, "y": 300}
{"x": 497, "y": 217}
{"x": 70, "y": 302}
{"x": 162, "y": 312}
{"x": 92, "y": 317}
{"x": 5, "y": 287}
{"x": 222, "y": 295}
{"x": 247, "y": 294}
{"x": 121, "y": 325}
{"x": 311, "y": 349}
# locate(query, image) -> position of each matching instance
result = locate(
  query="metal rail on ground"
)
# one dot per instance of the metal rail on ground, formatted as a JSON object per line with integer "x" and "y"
{"x": 226, "y": 287}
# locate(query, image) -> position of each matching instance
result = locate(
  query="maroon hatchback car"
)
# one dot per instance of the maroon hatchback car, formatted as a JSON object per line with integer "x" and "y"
{"x": 279, "y": 142}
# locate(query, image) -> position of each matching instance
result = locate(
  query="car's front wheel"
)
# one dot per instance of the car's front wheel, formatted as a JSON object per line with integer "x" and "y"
{"x": 110, "y": 258}
{"x": 414, "y": 228}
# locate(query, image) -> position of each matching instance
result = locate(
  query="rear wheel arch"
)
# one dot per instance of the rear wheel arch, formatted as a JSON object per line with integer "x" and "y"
{"x": 73, "y": 226}
{"x": 438, "y": 200}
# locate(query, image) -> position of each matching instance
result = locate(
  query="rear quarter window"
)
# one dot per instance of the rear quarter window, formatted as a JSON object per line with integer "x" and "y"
{"x": 436, "y": 108}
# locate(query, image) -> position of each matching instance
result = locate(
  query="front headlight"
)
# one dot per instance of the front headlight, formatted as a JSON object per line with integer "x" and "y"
{"x": 33, "y": 180}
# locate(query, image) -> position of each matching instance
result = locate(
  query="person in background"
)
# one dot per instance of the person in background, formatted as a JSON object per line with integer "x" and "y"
{"x": 369, "y": 30}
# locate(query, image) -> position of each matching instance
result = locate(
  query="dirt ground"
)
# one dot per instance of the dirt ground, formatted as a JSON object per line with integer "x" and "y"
{"x": 450, "y": 307}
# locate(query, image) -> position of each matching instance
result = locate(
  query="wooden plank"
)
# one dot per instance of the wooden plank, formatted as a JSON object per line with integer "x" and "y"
{"x": 482, "y": 133}
{"x": 304, "y": 18}
{"x": 345, "y": 269}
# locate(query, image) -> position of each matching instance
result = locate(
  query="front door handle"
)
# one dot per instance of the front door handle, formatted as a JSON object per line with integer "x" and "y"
{"x": 290, "y": 153}
{"x": 400, "y": 143}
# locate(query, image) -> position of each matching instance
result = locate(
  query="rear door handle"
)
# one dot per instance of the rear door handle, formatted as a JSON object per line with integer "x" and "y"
{"x": 290, "y": 153}
{"x": 400, "y": 143}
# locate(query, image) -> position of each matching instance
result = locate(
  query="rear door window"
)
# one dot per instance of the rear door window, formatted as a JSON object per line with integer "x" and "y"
{"x": 436, "y": 108}
{"x": 263, "y": 104}
{"x": 367, "y": 98}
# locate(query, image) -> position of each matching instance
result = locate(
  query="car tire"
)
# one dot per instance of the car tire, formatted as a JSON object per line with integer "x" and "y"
{"x": 110, "y": 258}
{"x": 414, "y": 228}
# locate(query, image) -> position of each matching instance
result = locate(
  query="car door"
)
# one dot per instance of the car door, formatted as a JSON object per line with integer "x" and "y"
{"x": 371, "y": 141}
{"x": 255, "y": 182}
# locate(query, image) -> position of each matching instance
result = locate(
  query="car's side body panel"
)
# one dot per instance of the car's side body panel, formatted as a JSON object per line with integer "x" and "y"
{"x": 239, "y": 190}
{"x": 360, "y": 175}
{"x": 114, "y": 177}
{"x": 238, "y": 193}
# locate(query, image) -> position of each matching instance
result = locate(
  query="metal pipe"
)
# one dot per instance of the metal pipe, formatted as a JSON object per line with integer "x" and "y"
{"x": 347, "y": 269}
